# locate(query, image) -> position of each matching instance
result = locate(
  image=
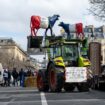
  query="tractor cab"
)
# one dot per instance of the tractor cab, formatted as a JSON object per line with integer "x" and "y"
{"x": 69, "y": 51}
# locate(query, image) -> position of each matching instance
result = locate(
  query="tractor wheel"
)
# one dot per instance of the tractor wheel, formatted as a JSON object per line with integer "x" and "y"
{"x": 69, "y": 87}
{"x": 101, "y": 86}
{"x": 56, "y": 78}
{"x": 83, "y": 87}
{"x": 95, "y": 84}
{"x": 41, "y": 84}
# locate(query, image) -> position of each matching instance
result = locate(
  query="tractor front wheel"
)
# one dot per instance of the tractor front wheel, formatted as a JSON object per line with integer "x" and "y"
{"x": 56, "y": 79}
{"x": 41, "y": 84}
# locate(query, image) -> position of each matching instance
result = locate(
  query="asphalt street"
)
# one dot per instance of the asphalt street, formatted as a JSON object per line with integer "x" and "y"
{"x": 31, "y": 96}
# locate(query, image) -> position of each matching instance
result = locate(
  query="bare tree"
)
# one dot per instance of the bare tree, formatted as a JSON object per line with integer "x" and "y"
{"x": 97, "y": 8}
{"x": 7, "y": 60}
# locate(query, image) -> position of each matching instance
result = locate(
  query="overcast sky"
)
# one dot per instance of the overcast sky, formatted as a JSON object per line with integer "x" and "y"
{"x": 15, "y": 16}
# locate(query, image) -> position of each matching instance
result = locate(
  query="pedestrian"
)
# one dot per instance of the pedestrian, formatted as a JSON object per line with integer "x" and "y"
{"x": 29, "y": 73}
{"x": 5, "y": 76}
{"x": 15, "y": 76}
{"x": 22, "y": 77}
{"x": 9, "y": 77}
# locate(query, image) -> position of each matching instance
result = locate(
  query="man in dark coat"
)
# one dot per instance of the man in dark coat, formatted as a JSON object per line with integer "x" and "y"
{"x": 22, "y": 77}
{"x": 15, "y": 76}
{"x": 9, "y": 77}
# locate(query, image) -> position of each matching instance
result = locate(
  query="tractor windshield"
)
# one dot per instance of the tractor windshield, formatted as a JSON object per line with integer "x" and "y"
{"x": 70, "y": 52}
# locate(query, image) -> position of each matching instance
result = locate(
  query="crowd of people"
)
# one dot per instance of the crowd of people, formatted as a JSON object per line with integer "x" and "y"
{"x": 15, "y": 78}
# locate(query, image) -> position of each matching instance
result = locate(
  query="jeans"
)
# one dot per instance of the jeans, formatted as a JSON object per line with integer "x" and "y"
{"x": 15, "y": 82}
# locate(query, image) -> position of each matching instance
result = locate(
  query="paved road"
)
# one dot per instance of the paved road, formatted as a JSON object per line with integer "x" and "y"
{"x": 30, "y": 96}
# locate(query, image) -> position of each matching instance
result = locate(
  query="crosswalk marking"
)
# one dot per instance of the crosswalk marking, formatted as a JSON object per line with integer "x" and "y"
{"x": 43, "y": 99}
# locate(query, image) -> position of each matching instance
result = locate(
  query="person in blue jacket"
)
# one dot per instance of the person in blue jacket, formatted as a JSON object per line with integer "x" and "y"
{"x": 22, "y": 77}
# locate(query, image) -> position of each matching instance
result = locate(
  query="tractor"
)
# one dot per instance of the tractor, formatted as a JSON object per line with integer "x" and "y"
{"x": 66, "y": 68}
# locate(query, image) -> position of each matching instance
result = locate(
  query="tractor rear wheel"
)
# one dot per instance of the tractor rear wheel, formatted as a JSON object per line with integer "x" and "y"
{"x": 101, "y": 86}
{"x": 83, "y": 87}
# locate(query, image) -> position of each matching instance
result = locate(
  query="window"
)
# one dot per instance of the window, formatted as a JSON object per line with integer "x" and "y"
{"x": 100, "y": 30}
{"x": 70, "y": 52}
{"x": 9, "y": 41}
{"x": 90, "y": 30}
{"x": 1, "y": 40}
{"x": 57, "y": 51}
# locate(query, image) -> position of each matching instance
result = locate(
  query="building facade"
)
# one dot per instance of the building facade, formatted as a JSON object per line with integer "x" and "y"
{"x": 97, "y": 32}
{"x": 12, "y": 55}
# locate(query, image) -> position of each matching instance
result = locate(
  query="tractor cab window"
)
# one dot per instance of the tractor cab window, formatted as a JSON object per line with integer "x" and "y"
{"x": 70, "y": 52}
{"x": 57, "y": 51}
{"x": 51, "y": 53}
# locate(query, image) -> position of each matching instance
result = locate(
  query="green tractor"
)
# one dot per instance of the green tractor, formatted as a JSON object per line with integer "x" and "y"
{"x": 66, "y": 67}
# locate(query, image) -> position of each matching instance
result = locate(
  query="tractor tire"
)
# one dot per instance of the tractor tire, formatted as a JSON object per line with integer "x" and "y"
{"x": 69, "y": 87}
{"x": 56, "y": 78}
{"x": 102, "y": 86}
{"x": 83, "y": 87}
{"x": 41, "y": 83}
